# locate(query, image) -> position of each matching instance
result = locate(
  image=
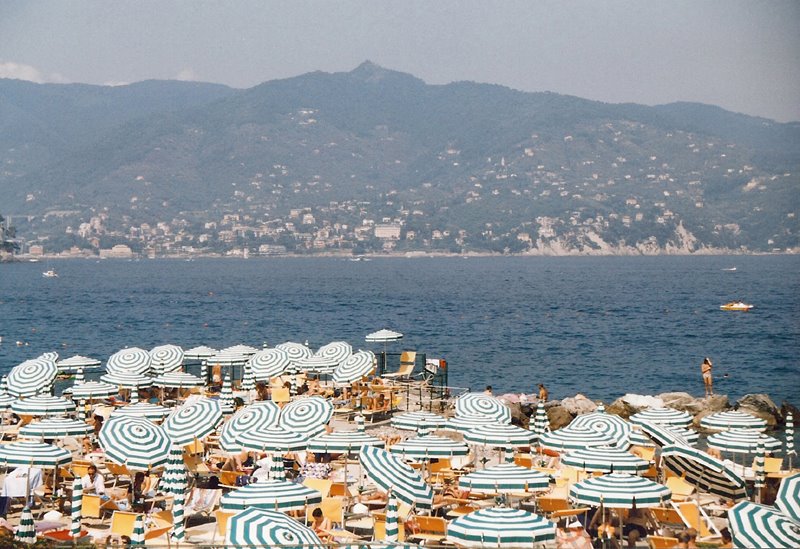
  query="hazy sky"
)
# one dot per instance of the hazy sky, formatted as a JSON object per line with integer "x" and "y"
{"x": 741, "y": 55}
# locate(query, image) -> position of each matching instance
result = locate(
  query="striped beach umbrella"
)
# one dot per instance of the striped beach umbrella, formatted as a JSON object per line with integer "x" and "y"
{"x": 178, "y": 518}
{"x": 315, "y": 365}
{"x": 166, "y": 358}
{"x": 346, "y": 442}
{"x": 79, "y": 377}
{"x": 201, "y": 352}
{"x": 193, "y": 421}
{"x": 272, "y": 439}
{"x": 173, "y": 480}
{"x": 31, "y": 377}
{"x": 689, "y": 435}
{"x": 93, "y": 390}
{"x": 704, "y": 471}
{"x": 26, "y": 530}
{"x": 790, "y": 451}
{"x": 296, "y": 351}
{"x": 306, "y": 416}
{"x": 504, "y": 478}
{"x": 480, "y": 404}
{"x": 55, "y": 427}
{"x": 278, "y": 469}
{"x": 75, "y": 507}
{"x": 500, "y": 435}
{"x": 137, "y": 537}
{"x": 619, "y": 491}
{"x": 355, "y": 367}
{"x": 153, "y": 412}
{"x": 606, "y": 460}
{"x": 269, "y": 363}
{"x": 383, "y": 336}
{"x": 248, "y": 381}
{"x": 733, "y": 419}
{"x": 413, "y": 421}
{"x": 462, "y": 424}
{"x": 226, "y": 395}
{"x": 760, "y": 472}
{"x": 429, "y": 447}
{"x": 71, "y": 364}
{"x": 240, "y": 349}
{"x": 50, "y": 356}
{"x": 390, "y": 472}
{"x": 638, "y": 438}
{"x": 6, "y": 401}
{"x": 339, "y": 351}
{"x": 755, "y": 526}
{"x": 81, "y": 410}
{"x": 788, "y": 498}
{"x": 392, "y": 528}
{"x": 742, "y": 441}
{"x": 608, "y": 424}
{"x": 279, "y": 495}
{"x": 43, "y": 405}
{"x": 128, "y": 380}
{"x": 500, "y": 527}
{"x": 541, "y": 423}
{"x": 262, "y": 528}
{"x": 134, "y": 442}
{"x": 257, "y": 416}
{"x": 28, "y": 453}
{"x": 177, "y": 380}
{"x": 663, "y": 435}
{"x": 663, "y": 416}
{"x": 574, "y": 438}
{"x": 132, "y": 360}
{"x": 228, "y": 358}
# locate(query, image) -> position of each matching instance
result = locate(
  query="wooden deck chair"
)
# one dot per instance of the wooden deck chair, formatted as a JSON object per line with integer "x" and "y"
{"x": 407, "y": 360}
{"x": 118, "y": 471}
{"x": 80, "y": 468}
{"x": 122, "y": 523}
{"x": 696, "y": 518}
{"x": 681, "y": 489}
{"x": 194, "y": 448}
{"x": 440, "y": 471}
{"x": 661, "y": 542}
{"x": 321, "y": 485}
{"x": 339, "y": 489}
{"x": 221, "y": 529}
{"x": 668, "y": 517}
{"x": 771, "y": 465}
{"x": 333, "y": 509}
{"x": 548, "y": 504}
{"x": 281, "y": 395}
{"x": 430, "y": 529}
{"x": 164, "y": 523}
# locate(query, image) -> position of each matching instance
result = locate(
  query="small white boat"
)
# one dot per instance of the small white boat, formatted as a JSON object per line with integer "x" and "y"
{"x": 50, "y": 273}
{"x": 731, "y": 269}
{"x": 736, "y": 306}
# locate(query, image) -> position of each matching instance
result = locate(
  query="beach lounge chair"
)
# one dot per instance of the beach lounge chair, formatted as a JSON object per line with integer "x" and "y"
{"x": 429, "y": 529}
{"x": 281, "y": 395}
{"x": 407, "y": 359}
{"x": 229, "y": 479}
{"x": 118, "y": 471}
{"x": 158, "y": 525}
{"x": 661, "y": 542}
{"x": 379, "y": 528}
{"x": 339, "y": 489}
{"x": 122, "y": 523}
{"x": 221, "y": 528}
{"x": 695, "y": 517}
{"x": 203, "y": 501}
{"x": 681, "y": 489}
{"x": 322, "y": 485}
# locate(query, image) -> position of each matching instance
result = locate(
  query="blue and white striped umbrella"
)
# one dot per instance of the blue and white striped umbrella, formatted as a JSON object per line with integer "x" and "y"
{"x": 93, "y": 390}
{"x": 742, "y": 441}
{"x": 755, "y": 526}
{"x": 134, "y": 442}
{"x": 315, "y": 365}
{"x": 28, "y": 453}
{"x": 75, "y": 507}
{"x": 480, "y": 404}
{"x": 193, "y": 421}
{"x": 153, "y": 412}
{"x": 500, "y": 435}
{"x": 429, "y": 447}
{"x": 55, "y": 427}
{"x": 26, "y": 530}
{"x": 500, "y": 527}
{"x": 704, "y": 471}
{"x": 43, "y": 405}
{"x": 127, "y": 380}
{"x": 31, "y": 377}
{"x": 619, "y": 491}
{"x": 663, "y": 416}
{"x": 390, "y": 472}
{"x": 355, "y": 367}
{"x": 262, "y": 528}
{"x": 343, "y": 442}
{"x": 505, "y": 478}
{"x": 574, "y": 438}
{"x": 306, "y": 416}
{"x": 413, "y": 421}
{"x": 606, "y": 460}
{"x": 71, "y": 364}
{"x": 462, "y": 424}
{"x": 177, "y": 380}
{"x": 279, "y": 495}
{"x": 129, "y": 360}
{"x": 608, "y": 424}
{"x": 734, "y": 419}
{"x": 296, "y": 351}
{"x": 272, "y": 439}
{"x": 257, "y": 416}
{"x": 166, "y": 358}
{"x": 788, "y": 498}
{"x": 269, "y": 363}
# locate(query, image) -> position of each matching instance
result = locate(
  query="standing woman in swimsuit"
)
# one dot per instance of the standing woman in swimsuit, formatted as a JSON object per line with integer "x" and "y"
{"x": 705, "y": 368}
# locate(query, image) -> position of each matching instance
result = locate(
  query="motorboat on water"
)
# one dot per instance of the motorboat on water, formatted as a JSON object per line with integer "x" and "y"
{"x": 730, "y": 269}
{"x": 736, "y": 306}
{"x": 50, "y": 273}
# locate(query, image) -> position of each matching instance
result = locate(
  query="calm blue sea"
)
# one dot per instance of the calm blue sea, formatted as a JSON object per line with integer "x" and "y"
{"x": 601, "y": 326}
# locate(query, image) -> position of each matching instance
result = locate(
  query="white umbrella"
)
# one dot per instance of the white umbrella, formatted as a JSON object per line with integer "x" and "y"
{"x": 55, "y": 427}
{"x": 606, "y": 460}
{"x": 272, "y": 439}
{"x": 742, "y": 441}
{"x": 93, "y": 390}
{"x": 153, "y": 412}
{"x": 201, "y": 352}
{"x": 505, "y": 478}
{"x": 429, "y": 447}
{"x": 296, "y": 351}
{"x": 415, "y": 421}
{"x": 500, "y": 435}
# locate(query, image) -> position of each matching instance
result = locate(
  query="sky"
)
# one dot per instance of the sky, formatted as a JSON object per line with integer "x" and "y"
{"x": 740, "y": 55}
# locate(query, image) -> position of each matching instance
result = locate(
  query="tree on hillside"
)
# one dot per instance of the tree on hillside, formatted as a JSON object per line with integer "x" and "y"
{"x": 7, "y": 234}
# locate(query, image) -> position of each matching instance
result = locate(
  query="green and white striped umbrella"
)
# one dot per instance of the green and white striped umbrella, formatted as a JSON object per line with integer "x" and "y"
{"x": 463, "y": 424}
{"x": 280, "y": 495}
{"x": 429, "y": 447}
{"x": 638, "y": 438}
{"x": 608, "y": 424}
{"x": 338, "y": 351}
{"x": 193, "y": 421}
{"x": 742, "y": 441}
{"x": 226, "y": 395}
{"x": 606, "y": 460}
{"x": 689, "y": 435}
{"x": 28, "y": 453}
{"x": 201, "y": 352}
{"x": 248, "y": 382}
{"x": 663, "y": 416}
{"x": 355, "y": 367}
{"x": 241, "y": 349}
{"x": 574, "y": 438}
{"x": 306, "y": 416}
{"x": 390, "y": 472}
{"x": 755, "y": 526}
{"x": 541, "y": 423}
{"x": 43, "y": 405}
{"x": 177, "y": 380}
{"x": 128, "y": 380}
{"x": 383, "y": 335}
{"x": 278, "y": 469}
{"x": 173, "y": 480}
{"x": 500, "y": 435}
{"x": 663, "y": 435}
{"x": 504, "y": 478}
{"x": 500, "y": 527}
{"x": 79, "y": 377}
{"x": 31, "y": 377}
{"x": 166, "y": 358}
{"x": 788, "y": 498}
{"x": 315, "y": 365}
{"x": 734, "y": 419}
{"x": 257, "y": 416}
{"x": 153, "y": 412}
{"x": 71, "y": 364}
{"x": 296, "y": 351}
{"x": 132, "y": 360}
{"x": 704, "y": 471}
{"x": 272, "y": 439}
{"x": 75, "y": 507}
{"x": 228, "y": 358}
{"x": 343, "y": 442}
{"x": 476, "y": 403}
{"x": 759, "y": 470}
{"x": 26, "y": 530}
{"x": 790, "y": 451}
{"x": 619, "y": 491}
{"x": 93, "y": 390}
{"x": 261, "y": 528}
{"x": 137, "y": 537}
{"x": 178, "y": 518}
{"x": 55, "y": 427}
{"x": 134, "y": 442}
{"x": 412, "y": 421}
{"x": 392, "y": 529}
{"x": 6, "y": 401}
{"x": 269, "y": 363}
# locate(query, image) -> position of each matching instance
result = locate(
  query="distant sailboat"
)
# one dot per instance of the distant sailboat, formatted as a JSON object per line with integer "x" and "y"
{"x": 730, "y": 269}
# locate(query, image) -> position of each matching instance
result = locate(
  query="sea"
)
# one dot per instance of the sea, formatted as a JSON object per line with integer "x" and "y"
{"x": 600, "y": 326}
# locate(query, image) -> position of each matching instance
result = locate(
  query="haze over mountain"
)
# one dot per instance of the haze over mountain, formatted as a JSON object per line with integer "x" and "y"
{"x": 321, "y": 162}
